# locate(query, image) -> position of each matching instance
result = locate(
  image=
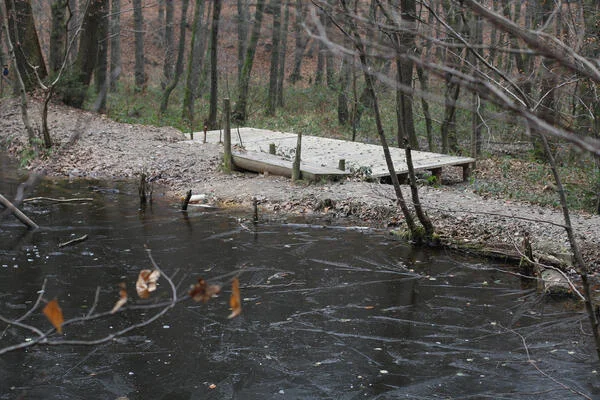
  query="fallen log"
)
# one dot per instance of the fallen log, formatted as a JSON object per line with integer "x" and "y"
{"x": 18, "y": 213}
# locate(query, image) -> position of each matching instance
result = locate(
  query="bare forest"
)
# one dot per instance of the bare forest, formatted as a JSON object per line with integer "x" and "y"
{"x": 514, "y": 85}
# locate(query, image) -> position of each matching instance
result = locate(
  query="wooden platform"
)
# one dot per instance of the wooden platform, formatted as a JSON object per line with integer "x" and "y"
{"x": 320, "y": 156}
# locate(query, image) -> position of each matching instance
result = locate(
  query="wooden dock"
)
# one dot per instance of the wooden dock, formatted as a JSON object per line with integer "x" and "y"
{"x": 320, "y": 156}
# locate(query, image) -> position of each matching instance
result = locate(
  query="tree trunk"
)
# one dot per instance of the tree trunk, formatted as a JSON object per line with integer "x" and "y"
{"x": 115, "y": 41}
{"x": 195, "y": 62}
{"x": 274, "y": 69}
{"x": 423, "y": 78}
{"x": 300, "y": 40}
{"x": 72, "y": 25}
{"x": 364, "y": 102}
{"x": 21, "y": 86}
{"x": 414, "y": 190}
{"x": 243, "y": 24}
{"x": 23, "y": 35}
{"x": 101, "y": 69}
{"x": 138, "y": 22}
{"x": 282, "y": 53}
{"x": 214, "y": 76}
{"x": 169, "y": 44}
{"x": 239, "y": 114}
{"x": 405, "y": 66}
{"x": 87, "y": 56}
{"x": 447, "y": 129}
{"x": 477, "y": 105}
{"x": 370, "y": 87}
{"x": 322, "y": 48}
{"x": 58, "y": 33}
{"x": 343, "y": 112}
{"x": 180, "y": 55}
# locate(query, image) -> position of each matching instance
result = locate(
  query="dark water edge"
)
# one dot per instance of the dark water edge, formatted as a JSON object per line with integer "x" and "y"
{"x": 327, "y": 313}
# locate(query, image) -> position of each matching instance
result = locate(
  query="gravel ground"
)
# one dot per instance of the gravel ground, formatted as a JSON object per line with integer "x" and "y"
{"x": 88, "y": 145}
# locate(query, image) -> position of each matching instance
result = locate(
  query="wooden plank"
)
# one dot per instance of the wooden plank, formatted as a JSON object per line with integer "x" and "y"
{"x": 265, "y": 162}
{"x": 326, "y": 153}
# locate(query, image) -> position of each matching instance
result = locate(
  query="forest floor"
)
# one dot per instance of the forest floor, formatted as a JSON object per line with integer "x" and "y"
{"x": 88, "y": 145}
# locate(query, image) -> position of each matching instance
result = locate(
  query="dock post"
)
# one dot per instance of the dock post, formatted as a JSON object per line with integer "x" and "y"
{"x": 186, "y": 200}
{"x": 296, "y": 174}
{"x": 255, "y": 209}
{"x": 272, "y": 148}
{"x": 466, "y": 171}
{"x": 437, "y": 172}
{"x": 227, "y": 157}
{"x": 342, "y": 164}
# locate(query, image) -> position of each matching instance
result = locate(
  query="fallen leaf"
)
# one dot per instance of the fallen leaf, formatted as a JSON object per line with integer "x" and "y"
{"x": 146, "y": 282}
{"x": 203, "y": 292}
{"x": 54, "y": 314}
{"x": 235, "y": 301}
{"x": 122, "y": 299}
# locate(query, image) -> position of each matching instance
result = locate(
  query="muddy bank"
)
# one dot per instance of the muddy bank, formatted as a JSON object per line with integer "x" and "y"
{"x": 88, "y": 145}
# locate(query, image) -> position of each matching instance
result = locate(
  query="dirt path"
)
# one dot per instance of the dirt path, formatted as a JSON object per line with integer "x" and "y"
{"x": 92, "y": 146}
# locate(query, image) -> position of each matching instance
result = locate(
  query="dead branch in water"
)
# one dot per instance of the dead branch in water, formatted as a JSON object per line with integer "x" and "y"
{"x": 18, "y": 213}
{"x": 74, "y": 241}
{"x": 53, "y": 200}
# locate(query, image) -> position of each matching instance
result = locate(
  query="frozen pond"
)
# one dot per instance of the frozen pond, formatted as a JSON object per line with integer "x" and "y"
{"x": 328, "y": 313}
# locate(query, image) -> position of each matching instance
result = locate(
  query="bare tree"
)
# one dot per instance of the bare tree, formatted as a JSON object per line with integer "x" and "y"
{"x": 25, "y": 40}
{"x": 101, "y": 76}
{"x": 214, "y": 73}
{"x": 282, "y": 53}
{"x": 275, "y": 50}
{"x": 21, "y": 87}
{"x": 138, "y": 22}
{"x": 169, "y": 43}
{"x": 239, "y": 113}
{"x": 300, "y": 40}
{"x": 195, "y": 62}
{"x": 58, "y": 34}
{"x": 243, "y": 23}
{"x": 180, "y": 56}
{"x": 115, "y": 40}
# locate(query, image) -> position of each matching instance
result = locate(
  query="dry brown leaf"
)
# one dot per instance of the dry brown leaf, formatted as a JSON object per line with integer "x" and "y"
{"x": 122, "y": 298}
{"x": 54, "y": 314}
{"x": 235, "y": 301}
{"x": 146, "y": 282}
{"x": 203, "y": 292}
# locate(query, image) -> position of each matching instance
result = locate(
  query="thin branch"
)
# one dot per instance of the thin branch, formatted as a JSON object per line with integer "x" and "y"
{"x": 73, "y": 241}
{"x": 53, "y": 200}
{"x": 529, "y": 260}
{"x": 37, "y": 302}
{"x": 534, "y": 364}
{"x": 94, "y": 304}
{"x": 21, "y": 325}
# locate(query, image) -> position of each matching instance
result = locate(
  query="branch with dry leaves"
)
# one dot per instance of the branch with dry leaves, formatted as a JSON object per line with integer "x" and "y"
{"x": 146, "y": 284}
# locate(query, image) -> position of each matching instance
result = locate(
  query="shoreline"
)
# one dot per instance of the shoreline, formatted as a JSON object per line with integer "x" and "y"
{"x": 89, "y": 145}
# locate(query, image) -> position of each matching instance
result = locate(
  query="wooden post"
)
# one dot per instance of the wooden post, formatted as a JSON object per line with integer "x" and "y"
{"x": 255, "y": 208}
{"x": 186, "y": 200}
{"x": 205, "y": 130}
{"x": 466, "y": 171}
{"x": 342, "y": 164}
{"x": 142, "y": 190}
{"x": 227, "y": 157}
{"x": 17, "y": 213}
{"x": 272, "y": 148}
{"x": 437, "y": 172}
{"x": 296, "y": 174}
